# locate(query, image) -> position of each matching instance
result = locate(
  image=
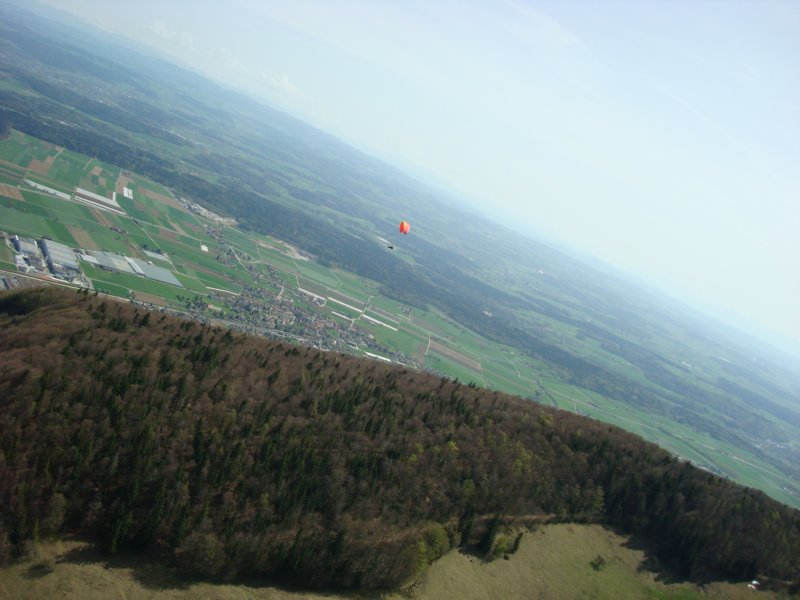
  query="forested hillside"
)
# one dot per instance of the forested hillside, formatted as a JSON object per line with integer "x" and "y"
{"x": 229, "y": 455}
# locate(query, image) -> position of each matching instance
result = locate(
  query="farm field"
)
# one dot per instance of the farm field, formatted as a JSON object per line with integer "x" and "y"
{"x": 254, "y": 281}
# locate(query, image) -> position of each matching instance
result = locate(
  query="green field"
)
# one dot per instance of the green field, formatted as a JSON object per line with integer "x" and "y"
{"x": 26, "y": 221}
{"x": 57, "y": 184}
{"x": 240, "y": 240}
{"x": 442, "y": 364}
{"x": 67, "y": 169}
{"x": 12, "y": 172}
{"x": 277, "y": 259}
{"x": 8, "y": 178}
{"x": 402, "y": 340}
{"x": 343, "y": 310}
{"x": 17, "y": 148}
{"x": 65, "y": 211}
{"x": 6, "y": 254}
{"x": 318, "y": 273}
{"x": 192, "y": 283}
{"x": 218, "y": 282}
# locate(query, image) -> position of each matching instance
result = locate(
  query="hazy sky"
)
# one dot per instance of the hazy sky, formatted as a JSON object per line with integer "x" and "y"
{"x": 662, "y": 137}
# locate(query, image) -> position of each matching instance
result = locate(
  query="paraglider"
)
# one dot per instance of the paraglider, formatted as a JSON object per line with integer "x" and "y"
{"x": 404, "y": 228}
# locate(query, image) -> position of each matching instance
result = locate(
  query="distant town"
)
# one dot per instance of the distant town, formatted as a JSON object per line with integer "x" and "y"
{"x": 253, "y": 310}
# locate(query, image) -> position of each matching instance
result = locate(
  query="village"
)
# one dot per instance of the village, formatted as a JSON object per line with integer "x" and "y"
{"x": 286, "y": 315}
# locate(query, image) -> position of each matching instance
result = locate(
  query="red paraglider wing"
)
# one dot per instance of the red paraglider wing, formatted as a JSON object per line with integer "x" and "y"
{"x": 404, "y": 227}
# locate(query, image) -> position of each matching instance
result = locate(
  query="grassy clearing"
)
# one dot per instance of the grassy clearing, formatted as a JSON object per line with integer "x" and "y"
{"x": 553, "y": 562}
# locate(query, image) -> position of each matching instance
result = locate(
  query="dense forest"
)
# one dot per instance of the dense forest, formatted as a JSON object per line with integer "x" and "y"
{"x": 229, "y": 455}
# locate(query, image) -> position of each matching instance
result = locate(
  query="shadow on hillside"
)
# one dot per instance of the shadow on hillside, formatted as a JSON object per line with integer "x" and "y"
{"x": 154, "y": 576}
{"x": 146, "y": 572}
{"x": 474, "y": 553}
{"x": 664, "y": 572}
{"x": 667, "y": 572}
{"x": 38, "y": 570}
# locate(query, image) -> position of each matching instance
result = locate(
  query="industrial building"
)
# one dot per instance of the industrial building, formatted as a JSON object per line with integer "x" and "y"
{"x": 157, "y": 273}
{"x": 126, "y": 264}
{"x": 97, "y": 201}
{"x": 113, "y": 262}
{"x": 60, "y": 258}
{"x": 30, "y": 251}
{"x": 27, "y": 247}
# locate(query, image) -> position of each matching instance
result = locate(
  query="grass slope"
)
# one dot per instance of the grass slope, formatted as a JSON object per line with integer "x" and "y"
{"x": 551, "y": 563}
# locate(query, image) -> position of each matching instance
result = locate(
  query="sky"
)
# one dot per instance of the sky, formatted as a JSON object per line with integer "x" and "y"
{"x": 662, "y": 137}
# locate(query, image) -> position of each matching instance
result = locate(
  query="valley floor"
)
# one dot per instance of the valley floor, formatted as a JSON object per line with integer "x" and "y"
{"x": 552, "y": 563}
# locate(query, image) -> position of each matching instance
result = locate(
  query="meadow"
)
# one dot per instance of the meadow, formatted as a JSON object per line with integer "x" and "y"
{"x": 554, "y": 561}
